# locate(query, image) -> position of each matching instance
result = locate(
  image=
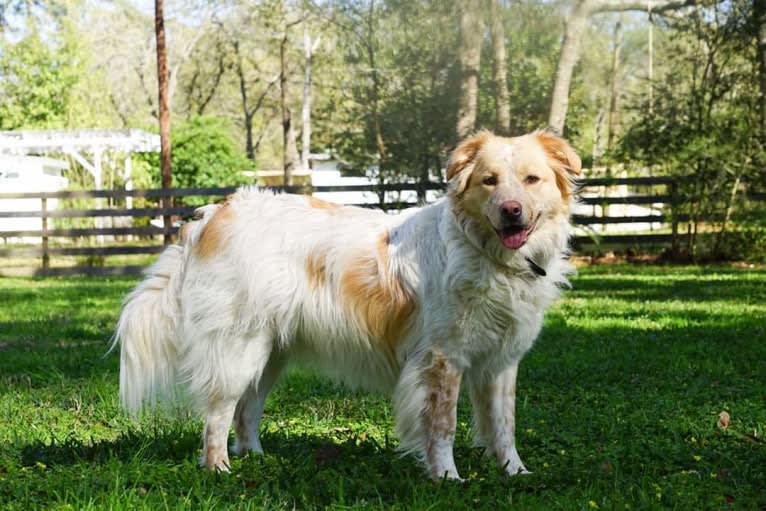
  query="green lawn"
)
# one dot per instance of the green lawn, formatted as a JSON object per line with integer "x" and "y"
{"x": 617, "y": 410}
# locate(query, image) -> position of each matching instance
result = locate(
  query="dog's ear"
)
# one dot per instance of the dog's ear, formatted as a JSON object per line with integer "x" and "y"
{"x": 562, "y": 159}
{"x": 461, "y": 160}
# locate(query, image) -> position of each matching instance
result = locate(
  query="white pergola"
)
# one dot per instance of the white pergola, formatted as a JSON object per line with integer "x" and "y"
{"x": 86, "y": 146}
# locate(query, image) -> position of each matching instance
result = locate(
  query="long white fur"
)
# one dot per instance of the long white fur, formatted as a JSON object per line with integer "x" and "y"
{"x": 216, "y": 325}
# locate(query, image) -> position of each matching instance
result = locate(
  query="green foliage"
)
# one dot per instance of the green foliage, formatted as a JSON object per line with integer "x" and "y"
{"x": 743, "y": 243}
{"x": 36, "y": 83}
{"x": 401, "y": 58}
{"x": 203, "y": 155}
{"x": 533, "y": 39}
{"x": 704, "y": 130}
{"x": 46, "y": 77}
{"x": 617, "y": 409}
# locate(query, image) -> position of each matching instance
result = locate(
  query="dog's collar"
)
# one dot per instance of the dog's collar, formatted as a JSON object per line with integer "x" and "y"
{"x": 536, "y": 267}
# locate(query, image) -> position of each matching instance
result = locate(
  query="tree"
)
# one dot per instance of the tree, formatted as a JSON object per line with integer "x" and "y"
{"x": 759, "y": 26}
{"x": 399, "y": 96}
{"x": 164, "y": 112}
{"x": 36, "y": 84}
{"x": 704, "y": 112}
{"x": 614, "y": 88}
{"x": 499, "y": 69}
{"x": 576, "y": 25}
{"x": 45, "y": 76}
{"x": 360, "y": 25}
{"x": 249, "y": 107}
{"x": 204, "y": 155}
{"x": 309, "y": 49}
{"x": 290, "y": 158}
{"x": 469, "y": 58}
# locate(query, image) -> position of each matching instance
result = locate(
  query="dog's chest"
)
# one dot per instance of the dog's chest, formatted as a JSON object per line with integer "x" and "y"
{"x": 500, "y": 314}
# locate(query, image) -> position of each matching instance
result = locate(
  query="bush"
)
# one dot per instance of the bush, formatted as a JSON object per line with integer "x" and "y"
{"x": 745, "y": 243}
{"x": 203, "y": 155}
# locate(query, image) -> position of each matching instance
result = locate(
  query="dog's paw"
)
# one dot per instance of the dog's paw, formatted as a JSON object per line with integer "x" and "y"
{"x": 449, "y": 475}
{"x": 243, "y": 449}
{"x": 513, "y": 466}
{"x": 515, "y": 471}
{"x": 216, "y": 462}
{"x": 221, "y": 466}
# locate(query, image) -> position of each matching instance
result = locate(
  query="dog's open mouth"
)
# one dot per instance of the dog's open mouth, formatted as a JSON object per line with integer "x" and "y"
{"x": 514, "y": 237}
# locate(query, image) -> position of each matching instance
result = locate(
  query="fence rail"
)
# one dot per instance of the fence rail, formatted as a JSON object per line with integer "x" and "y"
{"x": 662, "y": 213}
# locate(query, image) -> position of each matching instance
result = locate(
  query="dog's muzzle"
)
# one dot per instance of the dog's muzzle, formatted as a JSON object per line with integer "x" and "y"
{"x": 515, "y": 231}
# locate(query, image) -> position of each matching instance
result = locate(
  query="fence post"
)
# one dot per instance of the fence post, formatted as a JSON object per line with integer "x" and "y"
{"x": 44, "y": 213}
{"x": 674, "y": 217}
{"x": 421, "y": 190}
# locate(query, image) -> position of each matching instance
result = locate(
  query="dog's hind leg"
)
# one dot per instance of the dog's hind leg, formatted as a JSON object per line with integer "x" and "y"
{"x": 247, "y": 416}
{"x": 215, "y": 437}
{"x": 233, "y": 368}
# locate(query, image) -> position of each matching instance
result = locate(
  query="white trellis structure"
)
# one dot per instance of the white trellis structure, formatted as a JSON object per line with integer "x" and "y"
{"x": 88, "y": 147}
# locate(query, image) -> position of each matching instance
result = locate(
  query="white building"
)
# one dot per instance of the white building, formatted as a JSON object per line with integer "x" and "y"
{"x": 24, "y": 174}
{"x": 326, "y": 171}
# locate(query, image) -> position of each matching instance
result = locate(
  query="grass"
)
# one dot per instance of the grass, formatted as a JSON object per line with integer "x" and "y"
{"x": 618, "y": 408}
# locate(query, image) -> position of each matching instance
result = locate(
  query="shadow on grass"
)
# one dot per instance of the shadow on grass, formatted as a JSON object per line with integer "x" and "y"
{"x": 303, "y": 471}
{"x": 697, "y": 288}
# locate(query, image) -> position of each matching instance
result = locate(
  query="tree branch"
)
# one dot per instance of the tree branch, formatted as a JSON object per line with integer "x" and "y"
{"x": 599, "y": 6}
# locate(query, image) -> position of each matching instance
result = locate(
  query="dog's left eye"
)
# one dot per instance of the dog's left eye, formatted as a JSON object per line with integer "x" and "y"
{"x": 489, "y": 180}
{"x": 530, "y": 179}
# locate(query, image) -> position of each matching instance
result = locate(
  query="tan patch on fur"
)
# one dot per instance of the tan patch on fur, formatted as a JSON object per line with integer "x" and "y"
{"x": 442, "y": 387}
{"x": 183, "y": 231}
{"x": 322, "y": 204}
{"x": 377, "y": 297}
{"x": 463, "y": 155}
{"x": 213, "y": 235}
{"x": 316, "y": 265}
{"x": 562, "y": 159}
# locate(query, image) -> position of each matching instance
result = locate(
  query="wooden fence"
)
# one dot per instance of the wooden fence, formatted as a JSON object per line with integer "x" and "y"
{"x": 101, "y": 241}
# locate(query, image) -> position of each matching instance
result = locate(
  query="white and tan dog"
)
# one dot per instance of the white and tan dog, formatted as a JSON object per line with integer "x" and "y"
{"x": 408, "y": 304}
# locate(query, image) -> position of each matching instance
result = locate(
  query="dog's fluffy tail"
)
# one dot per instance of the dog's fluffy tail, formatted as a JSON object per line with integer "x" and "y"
{"x": 146, "y": 332}
{"x": 148, "y": 326}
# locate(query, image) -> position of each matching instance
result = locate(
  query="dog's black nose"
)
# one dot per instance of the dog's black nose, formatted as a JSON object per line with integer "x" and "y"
{"x": 511, "y": 210}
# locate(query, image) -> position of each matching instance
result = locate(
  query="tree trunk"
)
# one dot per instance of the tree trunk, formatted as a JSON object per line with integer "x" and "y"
{"x": 469, "y": 59}
{"x": 614, "y": 90}
{"x": 499, "y": 70}
{"x": 290, "y": 150}
{"x": 759, "y": 13}
{"x": 164, "y": 113}
{"x": 650, "y": 63}
{"x": 570, "y": 52}
{"x": 380, "y": 142}
{"x": 576, "y": 27}
{"x": 249, "y": 146}
{"x": 309, "y": 47}
{"x": 243, "y": 96}
{"x": 248, "y": 112}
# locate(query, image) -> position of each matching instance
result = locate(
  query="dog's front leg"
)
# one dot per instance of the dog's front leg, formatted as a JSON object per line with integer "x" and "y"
{"x": 494, "y": 409}
{"x": 426, "y": 405}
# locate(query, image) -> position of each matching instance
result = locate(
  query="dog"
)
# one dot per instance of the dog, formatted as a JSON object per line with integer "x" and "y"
{"x": 409, "y": 304}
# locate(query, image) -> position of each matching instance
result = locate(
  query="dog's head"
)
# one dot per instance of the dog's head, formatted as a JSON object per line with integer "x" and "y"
{"x": 511, "y": 186}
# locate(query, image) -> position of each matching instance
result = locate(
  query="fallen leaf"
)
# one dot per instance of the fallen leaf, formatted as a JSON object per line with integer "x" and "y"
{"x": 723, "y": 419}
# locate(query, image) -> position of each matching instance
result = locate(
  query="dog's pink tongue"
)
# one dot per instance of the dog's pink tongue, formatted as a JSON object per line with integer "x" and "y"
{"x": 514, "y": 240}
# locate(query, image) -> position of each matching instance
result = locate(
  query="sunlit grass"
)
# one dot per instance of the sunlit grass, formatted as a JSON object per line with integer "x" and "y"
{"x": 617, "y": 410}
